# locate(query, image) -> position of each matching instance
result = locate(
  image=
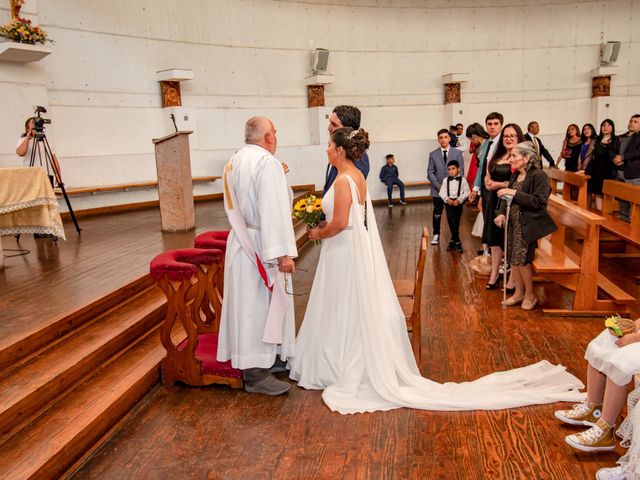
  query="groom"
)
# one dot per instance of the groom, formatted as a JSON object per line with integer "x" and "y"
{"x": 344, "y": 116}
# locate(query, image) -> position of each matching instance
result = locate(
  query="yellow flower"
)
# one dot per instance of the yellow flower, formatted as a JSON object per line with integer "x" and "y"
{"x": 300, "y": 205}
{"x": 317, "y": 205}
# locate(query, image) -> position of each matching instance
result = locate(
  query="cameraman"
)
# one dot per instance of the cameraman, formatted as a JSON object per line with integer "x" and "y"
{"x": 25, "y": 145}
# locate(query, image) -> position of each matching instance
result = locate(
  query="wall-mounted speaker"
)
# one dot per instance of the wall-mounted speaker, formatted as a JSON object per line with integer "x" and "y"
{"x": 609, "y": 53}
{"x": 320, "y": 60}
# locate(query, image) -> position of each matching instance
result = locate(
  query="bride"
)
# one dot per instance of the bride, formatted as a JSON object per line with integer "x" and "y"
{"x": 353, "y": 342}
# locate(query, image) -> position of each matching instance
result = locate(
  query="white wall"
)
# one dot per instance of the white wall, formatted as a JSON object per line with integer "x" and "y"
{"x": 527, "y": 59}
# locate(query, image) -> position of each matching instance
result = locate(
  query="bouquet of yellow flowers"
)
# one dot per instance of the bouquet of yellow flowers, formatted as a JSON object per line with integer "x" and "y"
{"x": 619, "y": 326}
{"x": 309, "y": 210}
{"x": 20, "y": 30}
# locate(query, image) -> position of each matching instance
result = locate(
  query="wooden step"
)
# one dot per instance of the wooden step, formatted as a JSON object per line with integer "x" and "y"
{"x": 28, "y": 388}
{"x": 59, "y": 437}
{"x": 300, "y": 232}
{"x": 12, "y": 349}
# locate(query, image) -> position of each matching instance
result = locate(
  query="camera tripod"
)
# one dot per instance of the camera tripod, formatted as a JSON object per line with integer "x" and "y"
{"x": 41, "y": 150}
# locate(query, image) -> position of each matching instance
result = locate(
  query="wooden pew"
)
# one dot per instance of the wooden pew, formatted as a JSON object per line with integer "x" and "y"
{"x": 612, "y": 190}
{"x": 416, "y": 183}
{"x": 406, "y": 287}
{"x": 555, "y": 261}
{"x": 411, "y": 305}
{"x": 125, "y": 187}
{"x": 569, "y": 180}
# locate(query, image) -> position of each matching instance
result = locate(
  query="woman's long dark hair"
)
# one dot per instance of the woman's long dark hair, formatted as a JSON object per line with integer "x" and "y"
{"x": 613, "y": 129}
{"x": 478, "y": 130}
{"x": 594, "y": 134}
{"x": 501, "y": 150}
{"x": 567, "y": 136}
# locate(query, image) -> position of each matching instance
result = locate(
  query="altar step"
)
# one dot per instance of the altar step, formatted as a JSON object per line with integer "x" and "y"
{"x": 60, "y": 400}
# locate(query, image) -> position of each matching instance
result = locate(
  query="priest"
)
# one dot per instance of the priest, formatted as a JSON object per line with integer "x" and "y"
{"x": 257, "y": 320}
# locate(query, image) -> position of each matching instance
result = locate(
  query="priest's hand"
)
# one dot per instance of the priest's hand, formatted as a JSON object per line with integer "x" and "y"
{"x": 286, "y": 265}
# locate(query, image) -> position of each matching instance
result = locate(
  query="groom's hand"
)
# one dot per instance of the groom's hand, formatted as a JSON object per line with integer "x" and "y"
{"x": 286, "y": 264}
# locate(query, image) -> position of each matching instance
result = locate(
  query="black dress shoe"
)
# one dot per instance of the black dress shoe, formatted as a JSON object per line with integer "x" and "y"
{"x": 451, "y": 247}
{"x": 492, "y": 286}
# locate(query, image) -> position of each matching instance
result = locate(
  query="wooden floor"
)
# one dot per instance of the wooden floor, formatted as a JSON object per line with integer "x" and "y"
{"x": 216, "y": 433}
{"x": 56, "y": 279}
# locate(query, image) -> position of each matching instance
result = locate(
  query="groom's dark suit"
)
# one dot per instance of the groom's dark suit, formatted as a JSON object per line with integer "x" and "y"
{"x": 436, "y": 173}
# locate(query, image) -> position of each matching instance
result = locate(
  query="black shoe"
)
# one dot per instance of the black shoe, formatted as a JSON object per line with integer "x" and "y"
{"x": 492, "y": 286}
{"x": 459, "y": 247}
{"x": 451, "y": 246}
{"x": 510, "y": 291}
{"x": 480, "y": 252}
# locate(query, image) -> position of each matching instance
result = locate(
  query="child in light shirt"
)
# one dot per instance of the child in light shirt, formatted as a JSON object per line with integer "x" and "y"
{"x": 454, "y": 192}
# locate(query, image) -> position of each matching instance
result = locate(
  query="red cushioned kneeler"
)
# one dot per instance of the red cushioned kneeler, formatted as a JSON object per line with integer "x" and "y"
{"x": 191, "y": 280}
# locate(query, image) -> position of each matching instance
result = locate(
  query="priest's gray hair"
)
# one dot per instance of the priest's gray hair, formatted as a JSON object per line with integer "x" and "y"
{"x": 255, "y": 129}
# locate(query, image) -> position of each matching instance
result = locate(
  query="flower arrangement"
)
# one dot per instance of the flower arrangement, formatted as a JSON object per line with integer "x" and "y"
{"x": 619, "y": 326}
{"x": 20, "y": 30}
{"x": 309, "y": 210}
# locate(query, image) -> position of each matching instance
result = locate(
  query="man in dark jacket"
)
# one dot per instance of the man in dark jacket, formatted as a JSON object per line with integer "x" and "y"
{"x": 533, "y": 129}
{"x": 628, "y": 160}
{"x": 344, "y": 116}
{"x": 389, "y": 176}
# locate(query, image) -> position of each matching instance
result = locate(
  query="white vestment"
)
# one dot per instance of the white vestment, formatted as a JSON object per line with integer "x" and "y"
{"x": 262, "y": 197}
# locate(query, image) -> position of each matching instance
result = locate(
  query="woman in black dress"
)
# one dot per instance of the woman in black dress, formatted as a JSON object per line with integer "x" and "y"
{"x": 588, "y": 139}
{"x": 571, "y": 147}
{"x": 601, "y": 166}
{"x": 498, "y": 174}
{"x": 528, "y": 220}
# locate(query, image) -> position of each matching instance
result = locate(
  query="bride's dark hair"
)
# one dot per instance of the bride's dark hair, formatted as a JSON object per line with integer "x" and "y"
{"x": 354, "y": 142}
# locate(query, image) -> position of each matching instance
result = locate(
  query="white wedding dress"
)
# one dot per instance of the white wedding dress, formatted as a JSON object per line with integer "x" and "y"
{"x": 353, "y": 342}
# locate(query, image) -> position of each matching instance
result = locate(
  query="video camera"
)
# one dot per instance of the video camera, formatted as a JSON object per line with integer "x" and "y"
{"x": 39, "y": 120}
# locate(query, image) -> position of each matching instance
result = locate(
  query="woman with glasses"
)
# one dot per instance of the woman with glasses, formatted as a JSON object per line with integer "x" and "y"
{"x": 498, "y": 175}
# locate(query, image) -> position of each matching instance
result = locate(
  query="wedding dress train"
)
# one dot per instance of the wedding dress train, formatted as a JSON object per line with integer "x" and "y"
{"x": 353, "y": 342}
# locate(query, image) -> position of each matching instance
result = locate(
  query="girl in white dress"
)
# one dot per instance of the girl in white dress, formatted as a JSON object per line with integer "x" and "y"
{"x": 353, "y": 342}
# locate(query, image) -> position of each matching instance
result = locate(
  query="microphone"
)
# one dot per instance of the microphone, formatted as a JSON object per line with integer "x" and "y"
{"x": 173, "y": 119}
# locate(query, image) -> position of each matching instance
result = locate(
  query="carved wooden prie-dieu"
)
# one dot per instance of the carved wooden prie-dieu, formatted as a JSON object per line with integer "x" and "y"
{"x": 191, "y": 281}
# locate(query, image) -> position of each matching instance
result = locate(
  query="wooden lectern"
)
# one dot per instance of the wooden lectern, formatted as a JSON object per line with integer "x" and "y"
{"x": 175, "y": 188}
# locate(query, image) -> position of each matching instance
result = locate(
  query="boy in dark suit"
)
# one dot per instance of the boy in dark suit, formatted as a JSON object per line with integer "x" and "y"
{"x": 454, "y": 191}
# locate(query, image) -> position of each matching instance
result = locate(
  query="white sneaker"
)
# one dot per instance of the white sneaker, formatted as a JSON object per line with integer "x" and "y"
{"x": 611, "y": 473}
{"x": 435, "y": 240}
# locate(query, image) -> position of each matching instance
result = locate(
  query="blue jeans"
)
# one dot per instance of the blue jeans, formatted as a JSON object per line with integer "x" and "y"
{"x": 390, "y": 184}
